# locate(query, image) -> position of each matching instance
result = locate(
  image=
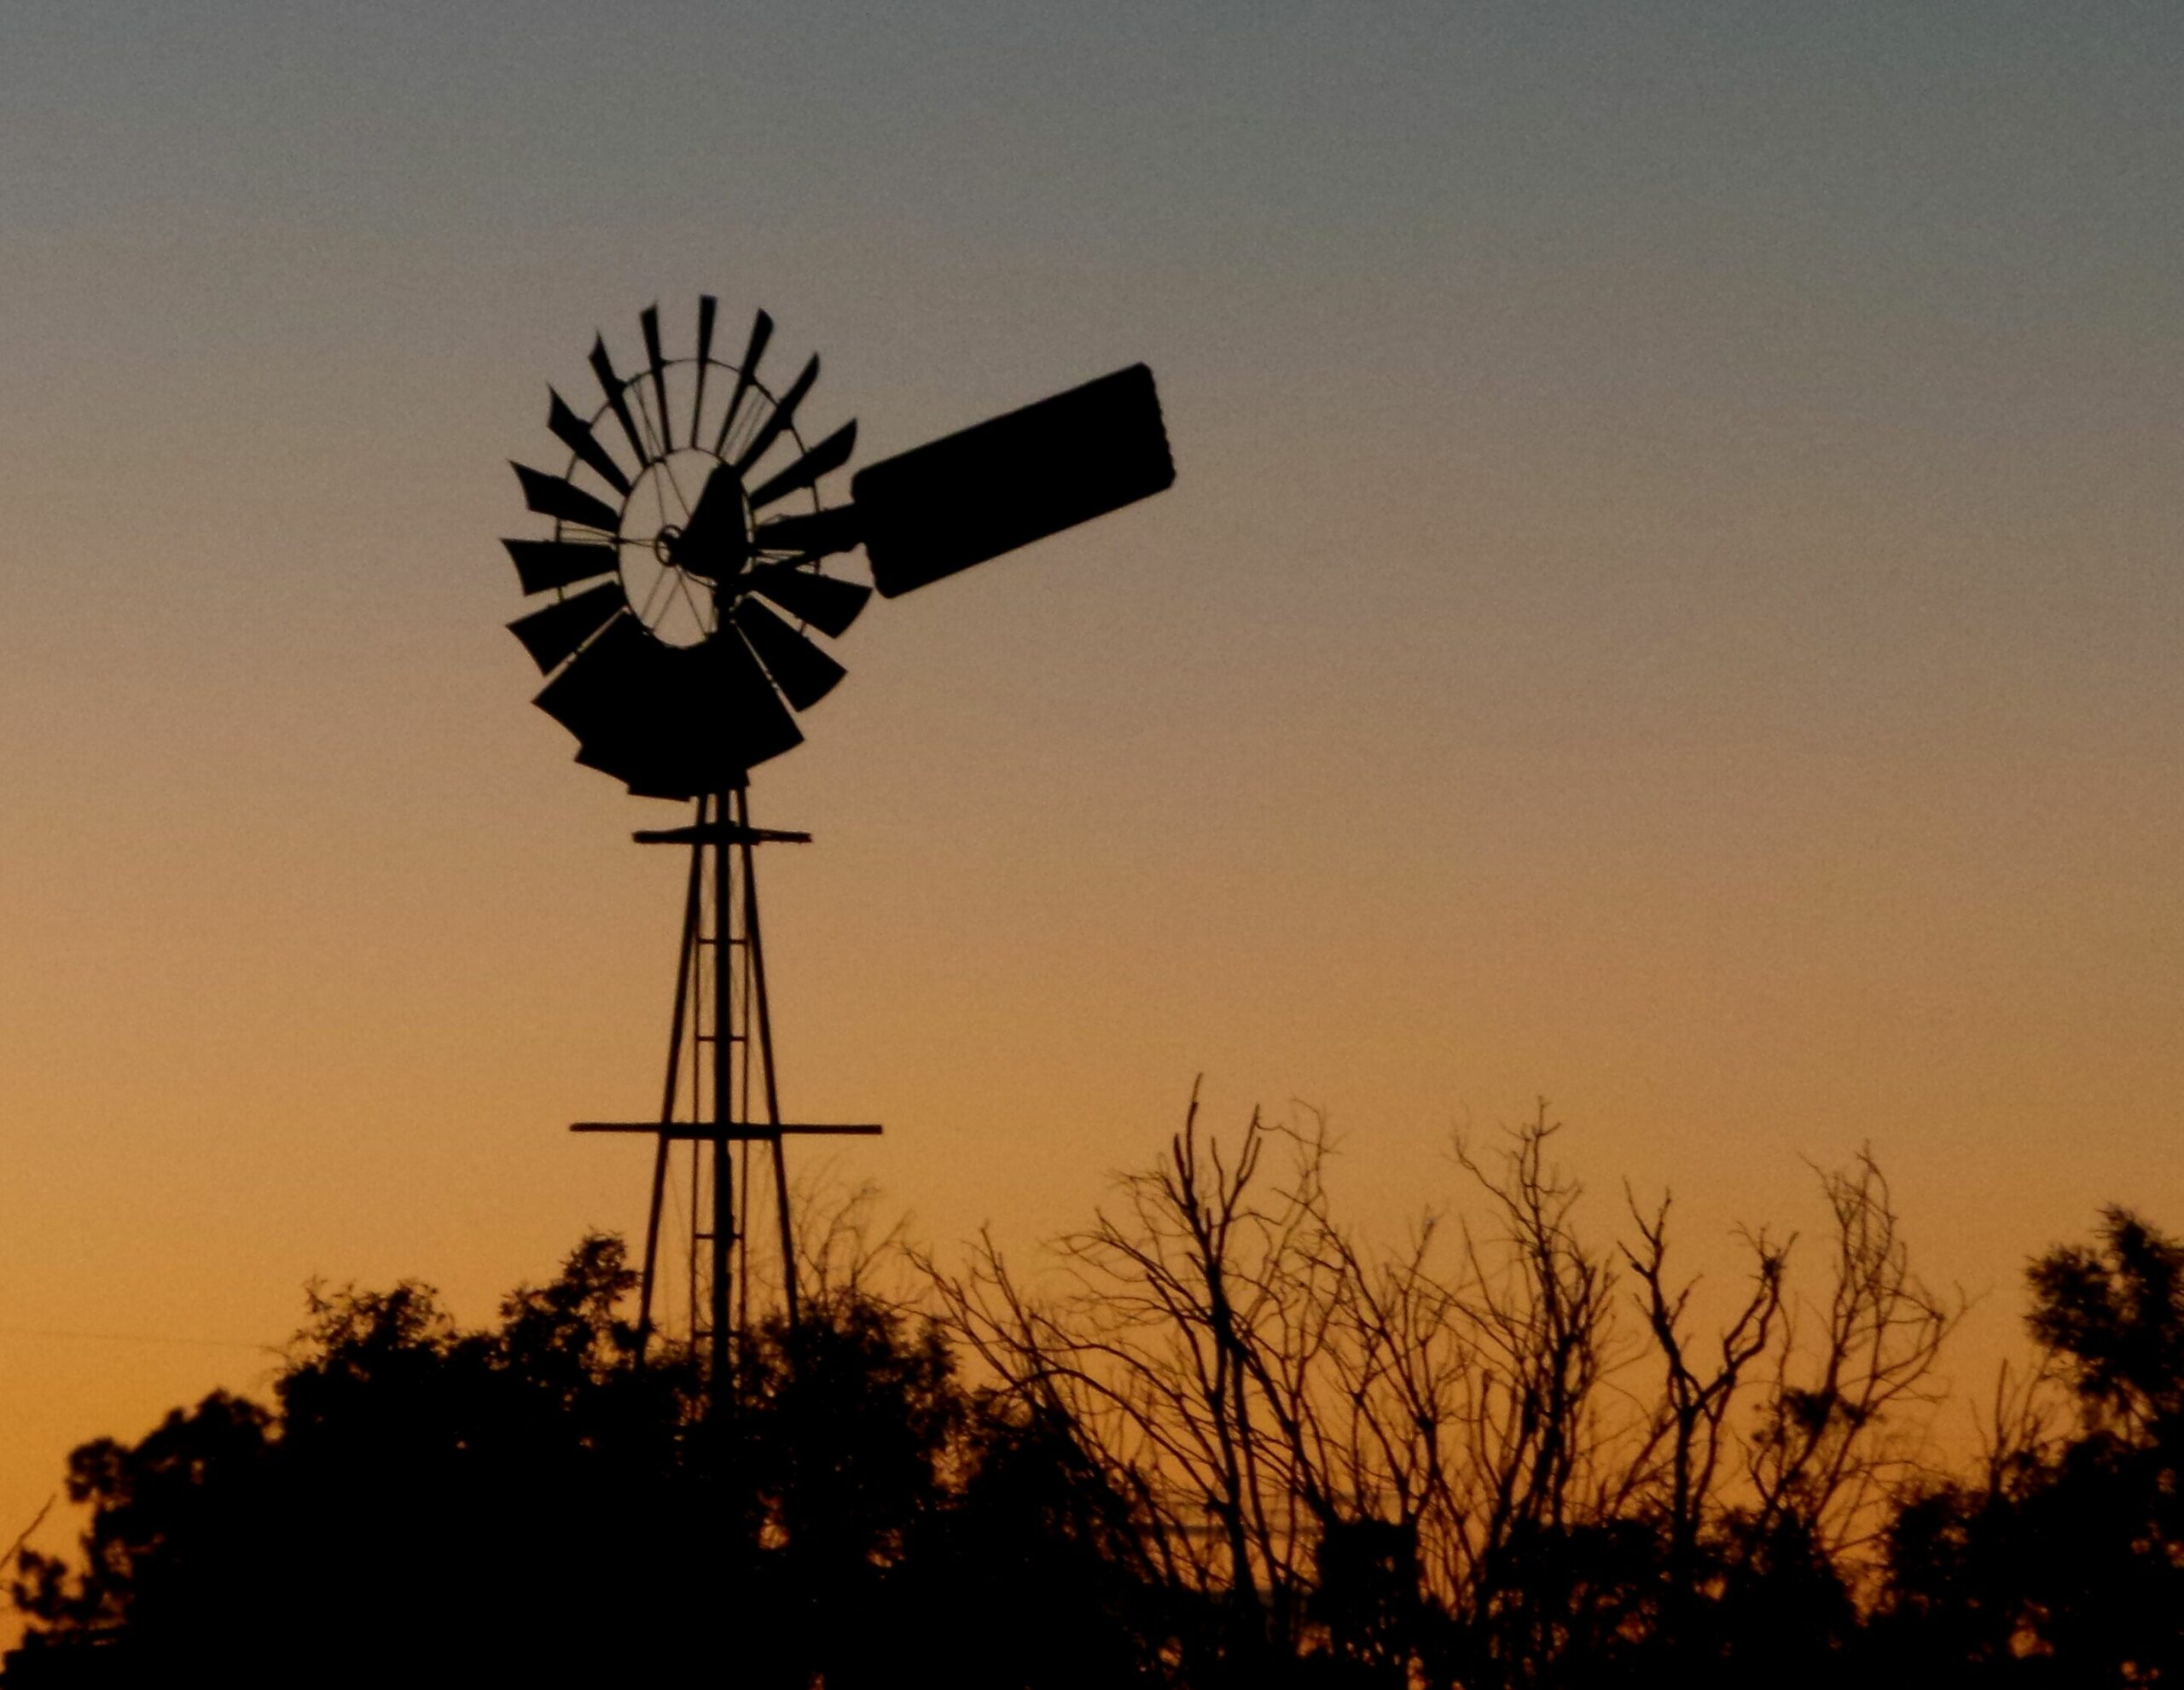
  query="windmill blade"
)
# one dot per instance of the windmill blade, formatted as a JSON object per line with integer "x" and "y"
{"x": 748, "y": 719}
{"x": 1016, "y": 479}
{"x": 670, "y": 721}
{"x": 573, "y": 431}
{"x": 822, "y": 534}
{"x": 607, "y": 693}
{"x": 642, "y": 767}
{"x": 551, "y": 496}
{"x": 611, "y": 384}
{"x": 541, "y": 564}
{"x": 590, "y": 697}
{"x": 762, "y": 331}
{"x": 823, "y": 459}
{"x": 828, "y": 605}
{"x": 552, "y": 634}
{"x": 706, "y": 306}
{"x": 649, "y": 319}
{"x": 802, "y": 672}
{"x": 784, "y": 414}
{"x": 627, "y": 715}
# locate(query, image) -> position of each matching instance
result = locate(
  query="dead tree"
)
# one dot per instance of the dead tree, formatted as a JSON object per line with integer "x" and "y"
{"x": 1351, "y": 1445}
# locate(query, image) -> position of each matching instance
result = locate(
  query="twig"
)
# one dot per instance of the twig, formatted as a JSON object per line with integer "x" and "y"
{"x": 24, "y": 1537}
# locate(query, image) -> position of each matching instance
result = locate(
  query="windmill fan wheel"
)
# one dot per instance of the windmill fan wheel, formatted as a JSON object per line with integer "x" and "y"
{"x": 685, "y": 578}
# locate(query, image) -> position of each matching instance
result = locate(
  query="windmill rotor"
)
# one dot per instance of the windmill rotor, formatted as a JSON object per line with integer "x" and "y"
{"x": 675, "y": 523}
{"x": 687, "y": 572}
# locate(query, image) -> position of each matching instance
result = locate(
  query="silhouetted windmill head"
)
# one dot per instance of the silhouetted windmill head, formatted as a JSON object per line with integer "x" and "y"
{"x": 687, "y": 567}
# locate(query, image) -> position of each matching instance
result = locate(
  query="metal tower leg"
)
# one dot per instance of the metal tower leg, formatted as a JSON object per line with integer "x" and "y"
{"x": 725, "y": 1037}
{"x": 669, "y": 1091}
{"x": 760, "y": 1016}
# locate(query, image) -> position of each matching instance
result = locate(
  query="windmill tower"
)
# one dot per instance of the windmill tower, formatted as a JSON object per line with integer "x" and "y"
{"x": 692, "y": 562}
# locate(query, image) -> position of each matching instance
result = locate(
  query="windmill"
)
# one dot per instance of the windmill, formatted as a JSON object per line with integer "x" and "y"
{"x": 688, "y": 574}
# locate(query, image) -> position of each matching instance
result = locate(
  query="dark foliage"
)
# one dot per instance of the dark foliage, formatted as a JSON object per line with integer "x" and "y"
{"x": 526, "y": 1502}
{"x": 2065, "y": 1565}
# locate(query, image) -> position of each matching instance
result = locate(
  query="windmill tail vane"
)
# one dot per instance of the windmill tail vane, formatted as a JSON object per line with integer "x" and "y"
{"x": 680, "y": 593}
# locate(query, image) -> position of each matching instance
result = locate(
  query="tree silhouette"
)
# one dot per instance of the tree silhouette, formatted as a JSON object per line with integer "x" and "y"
{"x": 525, "y": 1499}
{"x": 1239, "y": 1447}
{"x": 1457, "y": 1461}
{"x": 2065, "y": 1563}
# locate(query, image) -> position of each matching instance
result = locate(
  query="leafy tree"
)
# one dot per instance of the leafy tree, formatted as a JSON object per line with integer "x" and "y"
{"x": 526, "y": 1501}
{"x": 2065, "y": 1566}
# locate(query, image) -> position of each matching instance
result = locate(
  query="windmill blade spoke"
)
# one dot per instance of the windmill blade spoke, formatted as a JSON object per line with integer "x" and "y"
{"x": 649, "y": 319}
{"x": 552, "y": 635}
{"x": 551, "y": 495}
{"x": 706, "y": 306}
{"x": 573, "y": 431}
{"x": 611, "y": 384}
{"x": 802, "y": 672}
{"x": 784, "y": 414}
{"x": 697, "y": 616}
{"x": 541, "y": 564}
{"x": 662, "y": 583}
{"x": 1016, "y": 479}
{"x": 762, "y": 331}
{"x": 828, "y": 605}
{"x": 671, "y": 478}
{"x": 823, "y": 459}
{"x": 821, "y": 534}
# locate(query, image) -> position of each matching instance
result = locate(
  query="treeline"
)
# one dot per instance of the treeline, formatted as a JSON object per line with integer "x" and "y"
{"x": 1227, "y": 1443}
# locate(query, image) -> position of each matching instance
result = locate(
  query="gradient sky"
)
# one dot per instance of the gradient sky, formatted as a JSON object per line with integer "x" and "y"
{"x": 1671, "y": 603}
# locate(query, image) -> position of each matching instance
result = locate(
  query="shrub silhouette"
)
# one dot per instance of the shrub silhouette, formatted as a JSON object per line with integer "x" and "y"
{"x": 2064, "y": 1563}
{"x": 526, "y": 1500}
{"x": 1242, "y": 1450}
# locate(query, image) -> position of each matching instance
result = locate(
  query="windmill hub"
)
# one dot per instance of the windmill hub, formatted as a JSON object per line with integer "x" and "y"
{"x": 674, "y": 564}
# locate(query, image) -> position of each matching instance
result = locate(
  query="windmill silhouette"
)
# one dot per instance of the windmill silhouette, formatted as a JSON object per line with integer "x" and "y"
{"x": 686, "y": 577}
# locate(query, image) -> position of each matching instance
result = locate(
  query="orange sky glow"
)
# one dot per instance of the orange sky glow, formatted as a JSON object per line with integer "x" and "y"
{"x": 1671, "y": 603}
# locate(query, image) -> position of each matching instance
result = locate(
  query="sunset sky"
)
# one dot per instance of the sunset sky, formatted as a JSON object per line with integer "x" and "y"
{"x": 1671, "y": 603}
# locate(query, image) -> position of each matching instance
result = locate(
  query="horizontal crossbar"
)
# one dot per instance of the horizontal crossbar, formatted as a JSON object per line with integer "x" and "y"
{"x": 719, "y": 832}
{"x": 706, "y": 1132}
